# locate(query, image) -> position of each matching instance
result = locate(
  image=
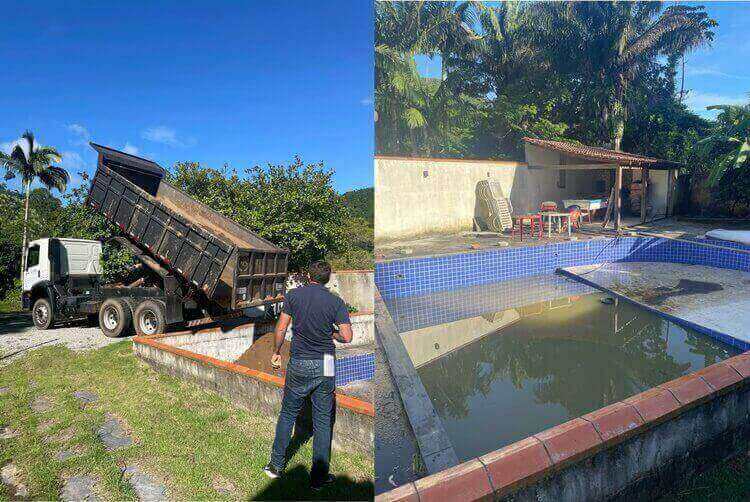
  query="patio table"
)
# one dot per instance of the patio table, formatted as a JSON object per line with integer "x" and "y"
{"x": 558, "y": 217}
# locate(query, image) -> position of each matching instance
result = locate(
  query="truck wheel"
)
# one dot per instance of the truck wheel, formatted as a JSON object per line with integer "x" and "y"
{"x": 42, "y": 314}
{"x": 115, "y": 318}
{"x": 149, "y": 318}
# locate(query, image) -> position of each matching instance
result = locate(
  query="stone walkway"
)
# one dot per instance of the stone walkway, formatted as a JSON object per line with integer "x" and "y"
{"x": 80, "y": 487}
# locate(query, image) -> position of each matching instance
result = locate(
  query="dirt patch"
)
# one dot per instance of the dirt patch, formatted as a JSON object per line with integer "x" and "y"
{"x": 41, "y": 404}
{"x": 8, "y": 433}
{"x": 64, "y": 455}
{"x": 12, "y": 478}
{"x": 46, "y": 425}
{"x": 684, "y": 287}
{"x": 258, "y": 356}
{"x": 224, "y": 486}
{"x": 63, "y": 436}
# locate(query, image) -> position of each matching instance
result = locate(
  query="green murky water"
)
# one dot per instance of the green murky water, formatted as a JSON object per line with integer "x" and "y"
{"x": 498, "y": 378}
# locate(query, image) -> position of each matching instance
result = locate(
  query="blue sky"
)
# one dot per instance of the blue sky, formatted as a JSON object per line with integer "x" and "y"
{"x": 238, "y": 82}
{"x": 719, "y": 74}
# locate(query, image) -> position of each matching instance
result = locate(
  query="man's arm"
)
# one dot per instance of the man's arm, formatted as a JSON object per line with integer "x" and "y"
{"x": 344, "y": 333}
{"x": 279, "y": 335}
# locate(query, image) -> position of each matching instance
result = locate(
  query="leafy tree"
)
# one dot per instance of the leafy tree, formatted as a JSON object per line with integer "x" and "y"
{"x": 33, "y": 162}
{"x": 419, "y": 115}
{"x": 606, "y": 45}
{"x": 361, "y": 203}
{"x": 731, "y": 141}
{"x": 294, "y": 206}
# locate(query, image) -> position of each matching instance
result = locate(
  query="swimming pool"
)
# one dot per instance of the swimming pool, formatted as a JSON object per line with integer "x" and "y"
{"x": 509, "y": 371}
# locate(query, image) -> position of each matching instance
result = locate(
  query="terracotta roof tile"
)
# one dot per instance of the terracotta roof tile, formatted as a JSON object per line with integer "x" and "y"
{"x": 596, "y": 154}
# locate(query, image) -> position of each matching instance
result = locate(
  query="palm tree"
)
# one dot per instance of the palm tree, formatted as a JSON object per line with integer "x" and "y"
{"x": 731, "y": 141}
{"x": 33, "y": 162}
{"x": 416, "y": 113}
{"x": 611, "y": 42}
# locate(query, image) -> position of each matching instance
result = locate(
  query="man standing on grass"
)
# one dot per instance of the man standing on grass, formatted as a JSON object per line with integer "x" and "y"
{"x": 310, "y": 371}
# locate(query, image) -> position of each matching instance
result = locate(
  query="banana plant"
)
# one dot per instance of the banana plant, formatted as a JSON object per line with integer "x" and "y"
{"x": 732, "y": 140}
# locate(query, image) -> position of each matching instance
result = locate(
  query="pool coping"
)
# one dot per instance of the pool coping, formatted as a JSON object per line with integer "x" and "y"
{"x": 435, "y": 447}
{"x": 350, "y": 403}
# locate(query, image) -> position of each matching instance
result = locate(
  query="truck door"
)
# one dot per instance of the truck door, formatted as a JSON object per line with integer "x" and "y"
{"x": 37, "y": 265}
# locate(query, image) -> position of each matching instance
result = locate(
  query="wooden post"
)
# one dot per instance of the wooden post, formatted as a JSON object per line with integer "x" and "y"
{"x": 618, "y": 198}
{"x": 644, "y": 193}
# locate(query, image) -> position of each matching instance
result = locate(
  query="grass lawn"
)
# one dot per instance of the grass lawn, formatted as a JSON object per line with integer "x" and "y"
{"x": 193, "y": 441}
{"x": 727, "y": 481}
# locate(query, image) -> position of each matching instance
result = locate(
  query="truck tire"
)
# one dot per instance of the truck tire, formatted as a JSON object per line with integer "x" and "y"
{"x": 149, "y": 318}
{"x": 42, "y": 314}
{"x": 115, "y": 318}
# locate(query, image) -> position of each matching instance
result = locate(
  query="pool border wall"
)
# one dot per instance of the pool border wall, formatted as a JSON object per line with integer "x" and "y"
{"x": 435, "y": 447}
{"x": 252, "y": 389}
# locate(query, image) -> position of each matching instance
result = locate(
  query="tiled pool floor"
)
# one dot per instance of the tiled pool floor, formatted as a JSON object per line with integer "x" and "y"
{"x": 714, "y": 298}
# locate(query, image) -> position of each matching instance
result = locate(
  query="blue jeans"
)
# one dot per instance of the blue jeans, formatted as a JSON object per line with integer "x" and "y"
{"x": 304, "y": 378}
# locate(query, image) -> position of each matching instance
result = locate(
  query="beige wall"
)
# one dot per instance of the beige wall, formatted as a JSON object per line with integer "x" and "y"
{"x": 409, "y": 204}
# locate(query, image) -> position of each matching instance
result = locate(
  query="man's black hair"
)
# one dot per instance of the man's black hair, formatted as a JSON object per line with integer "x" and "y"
{"x": 320, "y": 272}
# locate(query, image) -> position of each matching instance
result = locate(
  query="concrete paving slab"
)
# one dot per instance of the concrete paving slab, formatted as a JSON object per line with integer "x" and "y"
{"x": 713, "y": 298}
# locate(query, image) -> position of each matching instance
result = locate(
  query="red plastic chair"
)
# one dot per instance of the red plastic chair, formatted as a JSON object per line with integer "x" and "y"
{"x": 548, "y": 206}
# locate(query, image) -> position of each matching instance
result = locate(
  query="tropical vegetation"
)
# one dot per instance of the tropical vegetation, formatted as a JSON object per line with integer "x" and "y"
{"x": 599, "y": 73}
{"x": 33, "y": 162}
{"x": 294, "y": 206}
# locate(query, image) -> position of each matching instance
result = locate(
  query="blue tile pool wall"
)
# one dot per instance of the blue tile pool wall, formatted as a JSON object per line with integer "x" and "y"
{"x": 353, "y": 368}
{"x": 417, "y": 276}
{"x": 415, "y": 312}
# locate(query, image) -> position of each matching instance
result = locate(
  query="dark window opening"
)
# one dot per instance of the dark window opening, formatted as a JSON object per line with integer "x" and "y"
{"x": 32, "y": 258}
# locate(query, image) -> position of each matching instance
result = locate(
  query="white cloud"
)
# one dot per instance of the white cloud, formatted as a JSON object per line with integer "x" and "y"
{"x": 713, "y": 72}
{"x": 83, "y": 136}
{"x": 365, "y": 101}
{"x": 72, "y": 161}
{"x": 166, "y": 136}
{"x": 130, "y": 148}
{"x": 698, "y": 101}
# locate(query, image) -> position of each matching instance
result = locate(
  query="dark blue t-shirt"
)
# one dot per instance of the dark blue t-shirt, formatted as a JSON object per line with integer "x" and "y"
{"x": 314, "y": 311}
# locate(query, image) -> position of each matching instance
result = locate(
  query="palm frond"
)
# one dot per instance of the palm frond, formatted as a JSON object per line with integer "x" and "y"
{"x": 54, "y": 177}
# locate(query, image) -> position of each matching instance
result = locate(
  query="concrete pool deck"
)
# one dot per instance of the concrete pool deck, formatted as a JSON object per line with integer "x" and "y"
{"x": 714, "y": 298}
{"x": 467, "y": 242}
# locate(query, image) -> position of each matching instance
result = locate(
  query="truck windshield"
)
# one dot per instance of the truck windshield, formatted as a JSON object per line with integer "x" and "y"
{"x": 32, "y": 259}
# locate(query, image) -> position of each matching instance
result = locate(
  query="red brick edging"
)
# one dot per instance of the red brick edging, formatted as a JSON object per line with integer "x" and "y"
{"x": 503, "y": 471}
{"x": 348, "y": 402}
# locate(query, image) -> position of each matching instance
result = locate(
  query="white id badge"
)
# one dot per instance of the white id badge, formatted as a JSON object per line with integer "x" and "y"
{"x": 328, "y": 365}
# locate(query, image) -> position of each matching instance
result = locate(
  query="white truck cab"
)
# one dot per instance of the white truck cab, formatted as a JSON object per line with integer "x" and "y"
{"x": 74, "y": 257}
{"x": 52, "y": 263}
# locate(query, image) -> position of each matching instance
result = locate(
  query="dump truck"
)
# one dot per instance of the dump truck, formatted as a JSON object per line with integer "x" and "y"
{"x": 193, "y": 262}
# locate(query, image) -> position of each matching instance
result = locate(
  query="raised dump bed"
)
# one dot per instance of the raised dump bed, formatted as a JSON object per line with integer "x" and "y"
{"x": 232, "y": 266}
